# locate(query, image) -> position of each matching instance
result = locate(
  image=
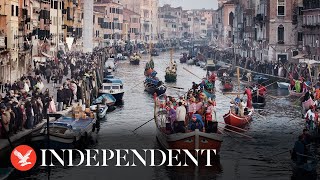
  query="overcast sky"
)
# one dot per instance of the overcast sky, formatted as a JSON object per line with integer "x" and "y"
{"x": 192, "y": 4}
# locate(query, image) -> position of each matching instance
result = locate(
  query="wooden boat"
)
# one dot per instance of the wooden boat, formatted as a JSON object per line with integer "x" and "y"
{"x": 296, "y": 94}
{"x": 135, "y": 59}
{"x": 171, "y": 71}
{"x": 188, "y": 140}
{"x": 306, "y": 105}
{"x": 67, "y": 132}
{"x": 235, "y": 120}
{"x": 5, "y": 173}
{"x": 258, "y": 101}
{"x": 283, "y": 85}
{"x": 226, "y": 84}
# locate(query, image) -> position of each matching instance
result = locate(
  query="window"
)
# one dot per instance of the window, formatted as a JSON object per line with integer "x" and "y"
{"x": 94, "y": 18}
{"x": 55, "y": 5}
{"x": 17, "y": 11}
{"x": 281, "y": 7}
{"x": 300, "y": 36}
{"x": 12, "y": 10}
{"x": 281, "y": 34}
{"x": 304, "y": 21}
{"x": 318, "y": 18}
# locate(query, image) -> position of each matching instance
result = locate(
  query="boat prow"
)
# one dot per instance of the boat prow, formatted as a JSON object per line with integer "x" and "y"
{"x": 234, "y": 120}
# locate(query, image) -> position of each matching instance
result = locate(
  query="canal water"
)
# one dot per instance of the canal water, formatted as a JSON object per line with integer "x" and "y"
{"x": 274, "y": 130}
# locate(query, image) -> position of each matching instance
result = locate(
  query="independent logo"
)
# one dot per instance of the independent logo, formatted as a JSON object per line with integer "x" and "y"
{"x": 23, "y": 158}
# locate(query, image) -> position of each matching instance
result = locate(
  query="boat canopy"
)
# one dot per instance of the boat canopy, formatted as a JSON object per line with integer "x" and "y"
{"x": 112, "y": 80}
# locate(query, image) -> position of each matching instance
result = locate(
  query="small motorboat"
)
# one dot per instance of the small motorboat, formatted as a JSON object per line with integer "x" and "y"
{"x": 190, "y": 62}
{"x": 113, "y": 86}
{"x": 283, "y": 85}
{"x": 67, "y": 132}
{"x": 211, "y": 66}
{"x": 103, "y": 109}
{"x": 110, "y": 65}
{"x": 235, "y": 120}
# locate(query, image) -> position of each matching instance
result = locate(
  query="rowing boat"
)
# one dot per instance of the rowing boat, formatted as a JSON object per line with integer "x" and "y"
{"x": 258, "y": 101}
{"x": 234, "y": 120}
{"x": 189, "y": 140}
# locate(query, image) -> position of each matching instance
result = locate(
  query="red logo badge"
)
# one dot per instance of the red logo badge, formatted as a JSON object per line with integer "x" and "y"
{"x": 23, "y": 158}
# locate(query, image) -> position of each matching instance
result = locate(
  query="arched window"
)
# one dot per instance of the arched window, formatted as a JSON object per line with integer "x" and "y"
{"x": 281, "y": 34}
{"x": 231, "y": 17}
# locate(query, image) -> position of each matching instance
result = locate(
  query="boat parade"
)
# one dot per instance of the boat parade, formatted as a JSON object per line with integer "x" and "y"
{"x": 176, "y": 94}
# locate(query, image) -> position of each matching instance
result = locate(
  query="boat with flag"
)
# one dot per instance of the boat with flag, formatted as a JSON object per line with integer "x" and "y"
{"x": 171, "y": 71}
{"x": 189, "y": 139}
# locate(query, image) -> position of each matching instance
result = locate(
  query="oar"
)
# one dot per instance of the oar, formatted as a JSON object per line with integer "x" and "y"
{"x": 238, "y": 133}
{"x": 142, "y": 125}
{"x": 136, "y": 85}
{"x": 175, "y": 87}
{"x": 234, "y": 127}
{"x": 232, "y": 93}
{"x": 225, "y": 133}
{"x": 192, "y": 73}
{"x": 272, "y": 156}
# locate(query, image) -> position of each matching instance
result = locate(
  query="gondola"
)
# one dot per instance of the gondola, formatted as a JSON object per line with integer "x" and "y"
{"x": 258, "y": 101}
{"x": 152, "y": 88}
{"x": 189, "y": 140}
{"x": 235, "y": 120}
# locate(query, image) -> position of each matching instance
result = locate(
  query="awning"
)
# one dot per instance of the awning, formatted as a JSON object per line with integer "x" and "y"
{"x": 46, "y": 55}
{"x": 299, "y": 56}
{"x": 309, "y": 61}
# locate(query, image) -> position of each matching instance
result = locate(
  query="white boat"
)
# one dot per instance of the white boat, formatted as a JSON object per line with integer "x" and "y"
{"x": 103, "y": 109}
{"x": 110, "y": 65}
{"x": 283, "y": 85}
{"x": 190, "y": 62}
{"x": 202, "y": 64}
{"x": 66, "y": 132}
{"x": 113, "y": 86}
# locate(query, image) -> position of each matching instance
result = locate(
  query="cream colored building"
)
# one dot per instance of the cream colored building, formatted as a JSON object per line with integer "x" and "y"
{"x": 148, "y": 9}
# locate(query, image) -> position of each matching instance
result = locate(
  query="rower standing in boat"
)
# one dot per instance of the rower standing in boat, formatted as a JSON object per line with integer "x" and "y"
{"x": 210, "y": 116}
{"x": 249, "y": 97}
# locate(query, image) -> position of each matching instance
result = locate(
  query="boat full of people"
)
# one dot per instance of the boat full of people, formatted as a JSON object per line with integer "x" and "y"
{"x": 187, "y": 123}
{"x": 135, "y": 59}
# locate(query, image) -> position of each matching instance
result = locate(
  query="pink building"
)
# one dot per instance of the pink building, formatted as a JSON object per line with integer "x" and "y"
{"x": 131, "y": 25}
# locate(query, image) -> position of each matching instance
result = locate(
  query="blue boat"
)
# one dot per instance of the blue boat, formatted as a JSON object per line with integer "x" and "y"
{"x": 153, "y": 85}
{"x": 66, "y": 132}
{"x": 109, "y": 100}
